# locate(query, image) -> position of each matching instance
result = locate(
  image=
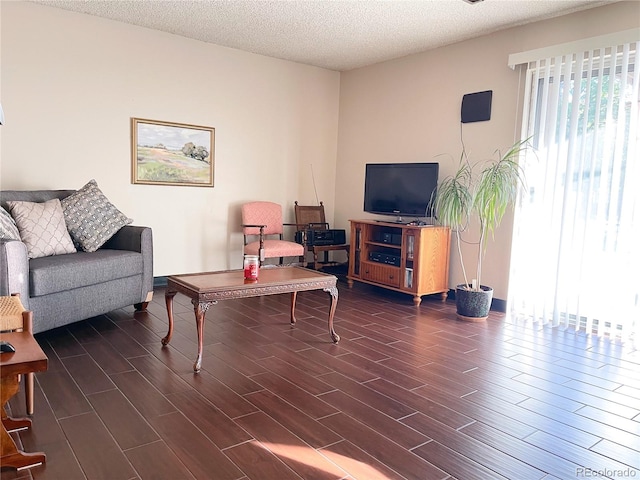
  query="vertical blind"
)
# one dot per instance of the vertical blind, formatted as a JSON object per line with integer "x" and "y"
{"x": 575, "y": 252}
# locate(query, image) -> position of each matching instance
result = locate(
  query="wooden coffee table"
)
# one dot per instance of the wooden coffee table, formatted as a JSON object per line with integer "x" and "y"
{"x": 27, "y": 358}
{"x": 205, "y": 289}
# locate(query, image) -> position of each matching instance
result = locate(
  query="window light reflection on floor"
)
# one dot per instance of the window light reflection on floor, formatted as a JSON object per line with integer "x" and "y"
{"x": 309, "y": 456}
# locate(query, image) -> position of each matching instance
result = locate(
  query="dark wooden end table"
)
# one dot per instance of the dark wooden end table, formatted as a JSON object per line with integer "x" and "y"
{"x": 205, "y": 289}
{"x": 27, "y": 358}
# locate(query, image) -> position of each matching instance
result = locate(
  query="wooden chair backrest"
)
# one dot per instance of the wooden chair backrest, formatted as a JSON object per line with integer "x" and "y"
{"x": 310, "y": 217}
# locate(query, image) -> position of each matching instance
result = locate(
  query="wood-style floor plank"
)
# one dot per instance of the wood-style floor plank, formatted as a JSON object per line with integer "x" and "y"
{"x": 62, "y": 462}
{"x": 193, "y": 448}
{"x": 296, "y": 396}
{"x": 107, "y": 356}
{"x": 451, "y": 461}
{"x": 397, "y": 458}
{"x": 358, "y": 463}
{"x": 300, "y": 377}
{"x": 63, "y": 394}
{"x": 306, "y": 428}
{"x": 127, "y": 426}
{"x": 83, "y": 432}
{"x": 623, "y": 453}
{"x": 224, "y": 398}
{"x": 381, "y": 370}
{"x": 408, "y": 393}
{"x": 142, "y": 394}
{"x": 549, "y": 419}
{"x": 368, "y": 396}
{"x": 156, "y": 460}
{"x": 405, "y": 436}
{"x": 260, "y": 463}
{"x": 480, "y": 453}
{"x": 291, "y": 450}
{"x": 217, "y": 426}
{"x": 521, "y": 450}
{"x": 570, "y": 451}
{"x": 87, "y": 374}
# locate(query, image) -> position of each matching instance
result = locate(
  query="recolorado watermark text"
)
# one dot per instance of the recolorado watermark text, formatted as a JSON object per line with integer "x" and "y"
{"x": 585, "y": 472}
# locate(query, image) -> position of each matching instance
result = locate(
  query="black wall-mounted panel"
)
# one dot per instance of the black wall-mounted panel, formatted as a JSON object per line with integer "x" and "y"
{"x": 476, "y": 107}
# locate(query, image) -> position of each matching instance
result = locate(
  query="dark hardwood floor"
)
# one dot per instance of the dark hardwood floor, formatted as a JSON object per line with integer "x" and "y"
{"x": 407, "y": 393}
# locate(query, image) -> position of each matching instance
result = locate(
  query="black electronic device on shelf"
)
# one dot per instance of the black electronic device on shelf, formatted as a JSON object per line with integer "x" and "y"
{"x": 312, "y": 237}
{"x": 386, "y": 258}
{"x": 388, "y": 236}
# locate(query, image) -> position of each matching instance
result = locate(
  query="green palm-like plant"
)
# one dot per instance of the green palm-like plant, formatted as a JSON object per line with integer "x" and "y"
{"x": 485, "y": 196}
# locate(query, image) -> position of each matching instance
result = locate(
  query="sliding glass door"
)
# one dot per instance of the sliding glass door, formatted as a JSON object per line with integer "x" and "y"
{"x": 576, "y": 254}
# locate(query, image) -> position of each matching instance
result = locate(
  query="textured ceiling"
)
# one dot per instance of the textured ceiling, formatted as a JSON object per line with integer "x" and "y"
{"x": 334, "y": 34}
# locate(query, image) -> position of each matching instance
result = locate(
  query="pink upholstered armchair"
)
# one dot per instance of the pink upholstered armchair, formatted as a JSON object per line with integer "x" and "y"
{"x": 264, "y": 219}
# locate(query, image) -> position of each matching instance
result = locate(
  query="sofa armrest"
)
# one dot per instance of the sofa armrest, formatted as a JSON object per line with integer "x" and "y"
{"x": 14, "y": 270}
{"x": 129, "y": 237}
{"x": 137, "y": 239}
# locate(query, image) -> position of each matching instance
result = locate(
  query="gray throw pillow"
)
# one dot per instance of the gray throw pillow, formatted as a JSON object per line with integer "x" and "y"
{"x": 42, "y": 228}
{"x": 8, "y": 229}
{"x": 91, "y": 218}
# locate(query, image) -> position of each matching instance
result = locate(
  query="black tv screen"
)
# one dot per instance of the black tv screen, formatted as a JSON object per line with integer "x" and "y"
{"x": 400, "y": 189}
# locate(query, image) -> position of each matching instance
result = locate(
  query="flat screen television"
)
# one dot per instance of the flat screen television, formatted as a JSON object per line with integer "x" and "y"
{"x": 400, "y": 189}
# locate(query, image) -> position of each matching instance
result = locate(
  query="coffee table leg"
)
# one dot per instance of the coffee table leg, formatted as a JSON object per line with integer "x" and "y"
{"x": 10, "y": 456}
{"x": 200, "y": 309}
{"x": 293, "y": 307}
{"x": 333, "y": 291}
{"x": 168, "y": 299}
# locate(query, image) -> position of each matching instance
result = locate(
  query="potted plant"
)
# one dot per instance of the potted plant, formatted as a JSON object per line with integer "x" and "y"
{"x": 482, "y": 193}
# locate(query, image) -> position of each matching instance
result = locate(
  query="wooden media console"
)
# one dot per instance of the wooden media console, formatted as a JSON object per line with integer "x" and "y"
{"x": 412, "y": 259}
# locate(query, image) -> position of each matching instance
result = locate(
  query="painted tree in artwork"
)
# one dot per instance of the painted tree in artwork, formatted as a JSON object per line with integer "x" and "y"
{"x": 198, "y": 152}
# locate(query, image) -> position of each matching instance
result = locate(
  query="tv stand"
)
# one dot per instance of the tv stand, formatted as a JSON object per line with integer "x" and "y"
{"x": 412, "y": 259}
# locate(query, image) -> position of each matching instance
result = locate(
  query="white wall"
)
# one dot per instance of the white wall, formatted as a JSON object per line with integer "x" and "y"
{"x": 71, "y": 83}
{"x": 408, "y": 110}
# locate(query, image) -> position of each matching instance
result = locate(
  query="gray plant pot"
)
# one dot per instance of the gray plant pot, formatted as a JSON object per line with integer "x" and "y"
{"x": 473, "y": 306}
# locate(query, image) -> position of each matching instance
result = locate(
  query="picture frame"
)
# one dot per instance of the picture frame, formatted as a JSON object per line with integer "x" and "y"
{"x": 169, "y": 153}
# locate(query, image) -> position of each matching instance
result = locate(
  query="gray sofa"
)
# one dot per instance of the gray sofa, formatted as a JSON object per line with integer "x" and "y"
{"x": 62, "y": 289}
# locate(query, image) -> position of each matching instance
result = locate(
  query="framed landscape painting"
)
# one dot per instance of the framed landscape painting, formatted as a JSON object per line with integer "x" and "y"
{"x": 164, "y": 153}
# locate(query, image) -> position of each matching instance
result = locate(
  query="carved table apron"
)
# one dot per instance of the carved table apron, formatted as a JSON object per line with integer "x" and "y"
{"x": 205, "y": 289}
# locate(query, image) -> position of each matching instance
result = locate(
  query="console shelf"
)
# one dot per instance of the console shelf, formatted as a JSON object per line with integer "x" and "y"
{"x": 407, "y": 258}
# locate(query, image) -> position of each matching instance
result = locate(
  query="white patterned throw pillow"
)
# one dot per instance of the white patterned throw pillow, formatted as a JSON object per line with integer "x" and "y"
{"x": 91, "y": 218}
{"x": 8, "y": 229}
{"x": 42, "y": 228}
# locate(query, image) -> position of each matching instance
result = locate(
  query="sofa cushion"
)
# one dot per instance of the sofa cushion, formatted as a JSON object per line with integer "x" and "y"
{"x": 8, "y": 229}
{"x": 42, "y": 227}
{"x": 91, "y": 218}
{"x": 65, "y": 272}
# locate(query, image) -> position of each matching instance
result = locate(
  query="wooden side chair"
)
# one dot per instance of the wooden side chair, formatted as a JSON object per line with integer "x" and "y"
{"x": 264, "y": 220}
{"x": 311, "y": 217}
{"x": 15, "y": 318}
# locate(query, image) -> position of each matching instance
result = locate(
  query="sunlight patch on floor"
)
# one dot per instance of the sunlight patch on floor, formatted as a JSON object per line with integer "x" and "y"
{"x": 305, "y": 455}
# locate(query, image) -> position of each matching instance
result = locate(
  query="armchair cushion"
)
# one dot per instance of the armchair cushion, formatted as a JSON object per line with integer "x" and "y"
{"x": 42, "y": 227}
{"x": 91, "y": 218}
{"x": 276, "y": 248}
